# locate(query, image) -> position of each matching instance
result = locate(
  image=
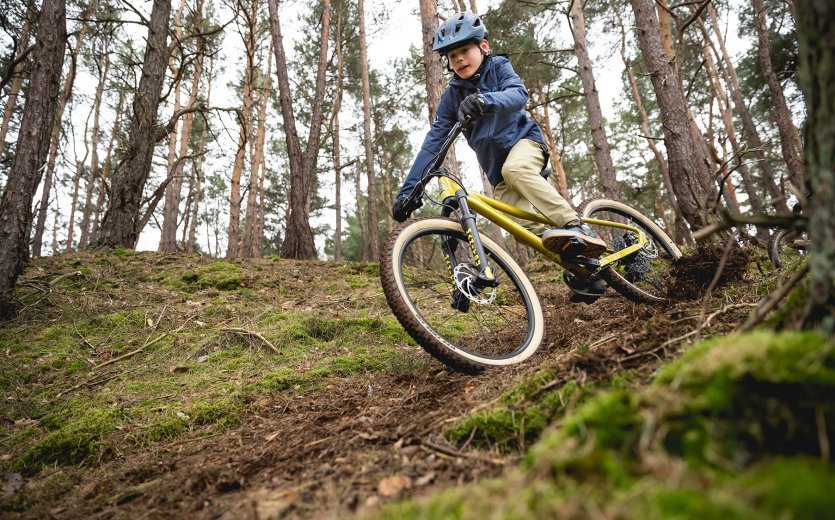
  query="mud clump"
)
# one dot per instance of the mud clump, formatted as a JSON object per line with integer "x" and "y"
{"x": 693, "y": 273}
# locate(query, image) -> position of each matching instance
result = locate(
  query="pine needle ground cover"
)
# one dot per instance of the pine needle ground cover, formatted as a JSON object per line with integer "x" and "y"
{"x": 177, "y": 385}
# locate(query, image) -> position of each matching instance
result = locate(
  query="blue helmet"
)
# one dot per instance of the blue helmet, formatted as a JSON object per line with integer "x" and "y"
{"x": 457, "y": 30}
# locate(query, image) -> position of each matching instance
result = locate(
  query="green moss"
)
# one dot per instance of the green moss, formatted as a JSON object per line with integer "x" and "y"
{"x": 164, "y": 428}
{"x": 281, "y": 379}
{"x": 344, "y": 366}
{"x": 221, "y": 411}
{"x": 220, "y": 275}
{"x": 72, "y": 443}
{"x": 792, "y": 488}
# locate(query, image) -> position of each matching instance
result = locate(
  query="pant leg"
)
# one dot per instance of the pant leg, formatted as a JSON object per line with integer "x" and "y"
{"x": 526, "y": 189}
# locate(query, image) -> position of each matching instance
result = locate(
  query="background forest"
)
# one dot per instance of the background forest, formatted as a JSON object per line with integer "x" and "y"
{"x": 233, "y": 137}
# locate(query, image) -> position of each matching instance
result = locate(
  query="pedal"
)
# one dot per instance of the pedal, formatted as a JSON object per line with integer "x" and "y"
{"x": 585, "y": 261}
{"x": 460, "y": 302}
{"x": 584, "y": 291}
{"x": 588, "y": 299}
{"x": 573, "y": 247}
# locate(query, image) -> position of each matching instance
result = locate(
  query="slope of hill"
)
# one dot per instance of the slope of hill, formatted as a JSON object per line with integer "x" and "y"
{"x": 168, "y": 385}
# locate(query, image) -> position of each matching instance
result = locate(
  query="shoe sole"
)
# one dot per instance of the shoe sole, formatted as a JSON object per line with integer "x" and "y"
{"x": 558, "y": 243}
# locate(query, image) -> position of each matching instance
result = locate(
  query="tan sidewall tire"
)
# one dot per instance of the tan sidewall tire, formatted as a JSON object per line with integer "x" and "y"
{"x": 411, "y": 319}
{"x": 615, "y": 280}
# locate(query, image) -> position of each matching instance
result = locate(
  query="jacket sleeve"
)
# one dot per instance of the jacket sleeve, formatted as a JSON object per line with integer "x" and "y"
{"x": 445, "y": 118}
{"x": 511, "y": 94}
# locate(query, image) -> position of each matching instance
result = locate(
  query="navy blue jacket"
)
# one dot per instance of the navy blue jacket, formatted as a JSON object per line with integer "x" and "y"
{"x": 491, "y": 137}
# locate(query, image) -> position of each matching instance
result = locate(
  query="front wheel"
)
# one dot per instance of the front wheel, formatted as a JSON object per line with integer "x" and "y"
{"x": 644, "y": 275}
{"x": 428, "y": 274}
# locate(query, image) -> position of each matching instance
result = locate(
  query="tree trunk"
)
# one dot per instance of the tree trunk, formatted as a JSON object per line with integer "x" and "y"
{"x": 84, "y": 237}
{"x": 602, "y": 155}
{"x": 752, "y": 136}
{"x": 298, "y": 241}
{"x": 686, "y": 172}
{"x": 120, "y": 224}
{"x": 666, "y": 25}
{"x": 14, "y": 87}
{"x": 336, "y": 152}
{"x": 105, "y": 173}
{"x": 252, "y": 203}
{"x": 754, "y": 199}
{"x": 681, "y": 233}
{"x": 244, "y": 135}
{"x": 32, "y": 145}
{"x": 816, "y": 73}
{"x": 789, "y": 140}
{"x": 371, "y": 249}
{"x": 55, "y": 135}
{"x": 173, "y": 192}
{"x": 76, "y": 183}
{"x": 554, "y": 156}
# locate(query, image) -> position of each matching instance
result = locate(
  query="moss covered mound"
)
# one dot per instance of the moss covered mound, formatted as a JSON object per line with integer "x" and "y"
{"x": 736, "y": 428}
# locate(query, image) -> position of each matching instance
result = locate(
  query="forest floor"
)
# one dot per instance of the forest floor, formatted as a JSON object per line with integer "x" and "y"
{"x": 143, "y": 385}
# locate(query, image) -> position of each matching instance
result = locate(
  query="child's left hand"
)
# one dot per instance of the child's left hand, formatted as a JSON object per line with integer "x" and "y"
{"x": 471, "y": 107}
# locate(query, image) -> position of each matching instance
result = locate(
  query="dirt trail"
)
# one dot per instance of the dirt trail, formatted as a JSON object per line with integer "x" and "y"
{"x": 366, "y": 439}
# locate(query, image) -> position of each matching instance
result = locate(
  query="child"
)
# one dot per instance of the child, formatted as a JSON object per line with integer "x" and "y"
{"x": 508, "y": 145}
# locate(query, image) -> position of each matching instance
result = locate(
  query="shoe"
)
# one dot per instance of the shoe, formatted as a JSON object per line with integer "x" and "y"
{"x": 574, "y": 240}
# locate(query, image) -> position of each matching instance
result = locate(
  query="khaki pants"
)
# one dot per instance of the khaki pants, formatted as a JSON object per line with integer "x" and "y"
{"x": 526, "y": 189}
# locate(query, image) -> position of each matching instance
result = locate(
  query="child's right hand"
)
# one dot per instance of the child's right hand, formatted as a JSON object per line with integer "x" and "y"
{"x": 404, "y": 206}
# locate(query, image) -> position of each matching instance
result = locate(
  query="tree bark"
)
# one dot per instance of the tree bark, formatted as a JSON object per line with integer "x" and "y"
{"x": 87, "y": 209}
{"x": 686, "y": 172}
{"x": 173, "y": 192}
{"x": 749, "y": 129}
{"x": 54, "y": 138}
{"x": 554, "y": 156}
{"x": 105, "y": 173}
{"x": 681, "y": 233}
{"x": 15, "y": 86}
{"x": 817, "y": 80}
{"x": 600, "y": 143}
{"x": 298, "y": 240}
{"x": 32, "y": 146}
{"x": 789, "y": 140}
{"x": 76, "y": 184}
{"x": 371, "y": 249}
{"x": 337, "y": 153}
{"x": 253, "y": 203}
{"x": 244, "y": 135}
{"x": 120, "y": 224}
{"x": 725, "y": 110}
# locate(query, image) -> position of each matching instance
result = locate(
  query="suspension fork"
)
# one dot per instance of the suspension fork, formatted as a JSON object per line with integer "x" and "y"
{"x": 485, "y": 277}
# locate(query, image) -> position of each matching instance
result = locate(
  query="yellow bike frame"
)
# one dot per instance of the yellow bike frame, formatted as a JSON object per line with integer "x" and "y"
{"x": 500, "y": 213}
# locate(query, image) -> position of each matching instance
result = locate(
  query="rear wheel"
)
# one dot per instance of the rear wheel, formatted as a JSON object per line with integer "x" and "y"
{"x": 644, "y": 275}
{"x": 786, "y": 248}
{"x": 428, "y": 273}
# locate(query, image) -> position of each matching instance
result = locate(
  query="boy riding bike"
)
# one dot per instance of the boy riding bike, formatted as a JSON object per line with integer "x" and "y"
{"x": 510, "y": 148}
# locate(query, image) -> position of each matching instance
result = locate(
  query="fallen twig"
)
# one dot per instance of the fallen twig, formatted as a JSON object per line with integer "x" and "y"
{"x": 455, "y": 453}
{"x": 245, "y": 332}
{"x": 144, "y": 346}
{"x": 89, "y": 382}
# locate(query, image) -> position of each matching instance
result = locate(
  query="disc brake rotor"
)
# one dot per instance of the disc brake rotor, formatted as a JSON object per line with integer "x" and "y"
{"x": 465, "y": 275}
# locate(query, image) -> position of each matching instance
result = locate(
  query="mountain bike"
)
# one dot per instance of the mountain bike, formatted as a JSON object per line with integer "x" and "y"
{"x": 467, "y": 302}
